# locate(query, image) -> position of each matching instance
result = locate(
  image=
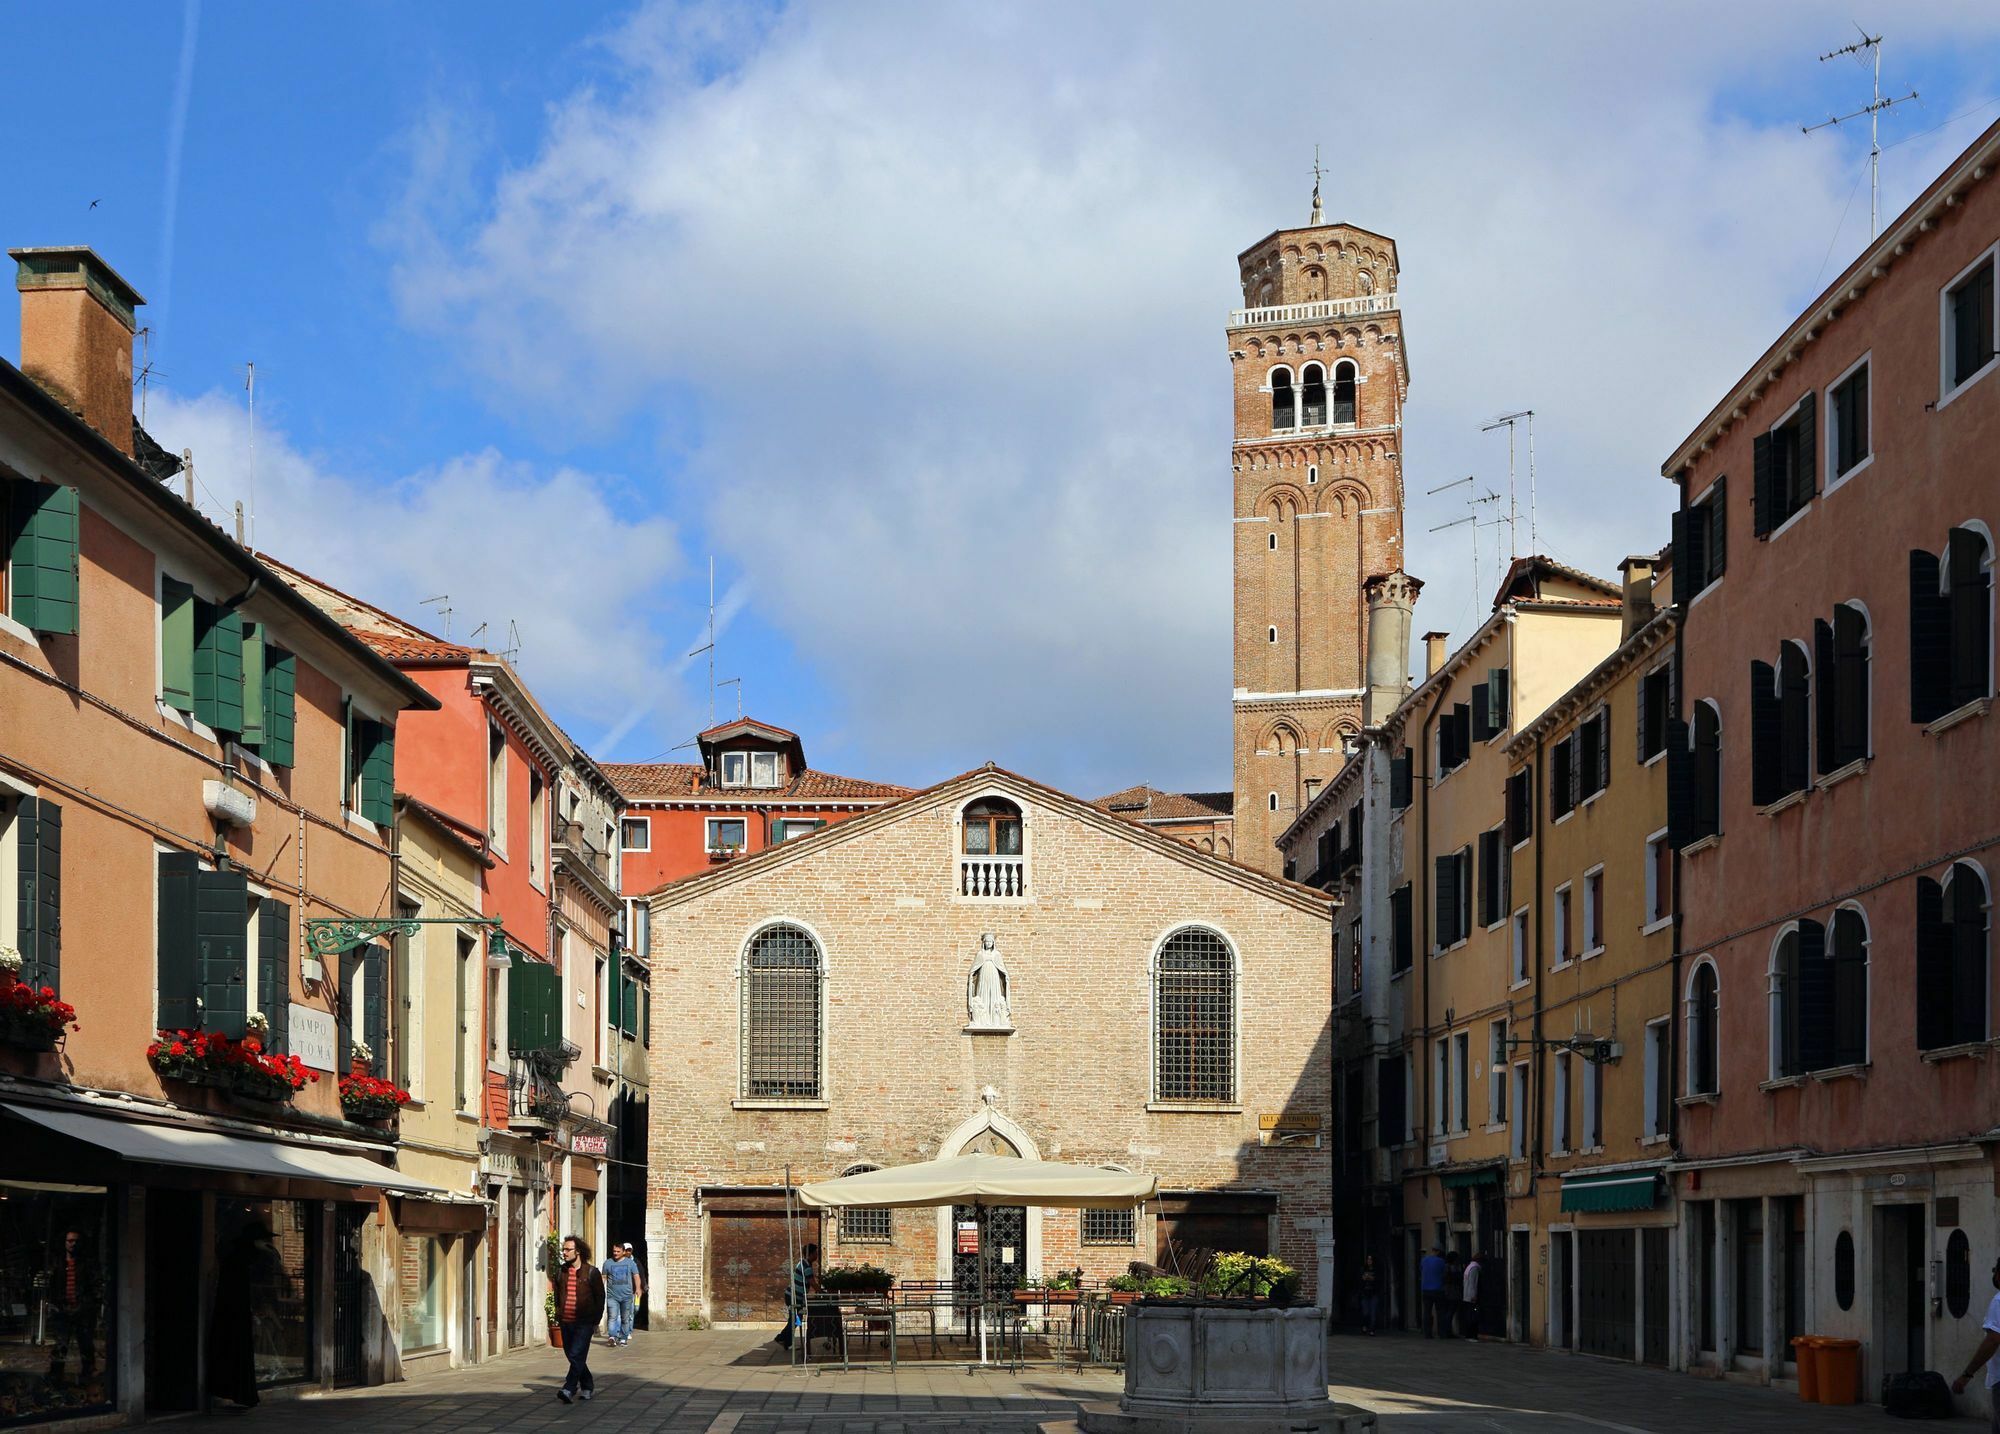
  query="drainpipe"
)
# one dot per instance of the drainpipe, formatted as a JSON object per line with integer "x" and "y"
{"x": 1539, "y": 807}
{"x": 1676, "y": 1031}
{"x": 1428, "y": 912}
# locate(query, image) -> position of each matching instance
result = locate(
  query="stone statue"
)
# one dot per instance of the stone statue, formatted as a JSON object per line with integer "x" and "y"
{"x": 986, "y": 991}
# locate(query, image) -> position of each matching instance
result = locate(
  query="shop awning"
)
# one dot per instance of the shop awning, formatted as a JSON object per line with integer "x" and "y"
{"x": 212, "y": 1150}
{"x": 1460, "y": 1179}
{"x": 1606, "y": 1191}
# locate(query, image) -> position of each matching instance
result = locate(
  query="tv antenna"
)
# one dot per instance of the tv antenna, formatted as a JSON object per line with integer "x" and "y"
{"x": 1873, "y": 109}
{"x": 443, "y": 603}
{"x": 513, "y": 652}
{"x": 145, "y": 369}
{"x": 1474, "y": 500}
{"x": 709, "y": 648}
{"x": 1508, "y": 421}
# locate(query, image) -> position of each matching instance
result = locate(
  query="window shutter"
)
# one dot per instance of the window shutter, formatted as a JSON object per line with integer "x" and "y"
{"x": 1762, "y": 500}
{"x": 1935, "y": 944}
{"x": 177, "y": 975}
{"x": 1850, "y": 650}
{"x": 221, "y": 916}
{"x": 1681, "y": 543}
{"x": 1648, "y": 687}
{"x": 1445, "y": 874}
{"x": 1480, "y": 712}
{"x": 274, "y": 970}
{"x": 375, "y": 1005}
{"x": 1574, "y": 744}
{"x": 1464, "y": 903}
{"x": 177, "y": 644}
{"x": 218, "y": 668}
{"x": 646, "y": 1017}
{"x": 1680, "y": 785}
{"x": 1848, "y": 968}
{"x": 38, "y": 850}
{"x": 1968, "y": 959}
{"x": 1496, "y": 700}
{"x": 1399, "y": 781}
{"x": 280, "y": 705}
{"x": 1715, "y": 538}
{"x": 1971, "y": 644}
{"x": 614, "y": 998}
{"x": 253, "y": 684}
{"x": 1489, "y": 857}
{"x": 378, "y": 772}
{"x": 1604, "y": 749}
{"x": 1509, "y": 802}
{"x": 1827, "y": 678}
{"x": 1812, "y": 1013}
{"x": 1930, "y": 640}
{"x": 1794, "y": 705}
{"x": 531, "y": 1005}
{"x": 1390, "y": 1102}
{"x": 1766, "y": 729}
{"x": 1805, "y": 471}
{"x": 42, "y": 553}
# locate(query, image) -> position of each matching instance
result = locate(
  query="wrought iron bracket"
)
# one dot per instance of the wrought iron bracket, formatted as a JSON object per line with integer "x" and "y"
{"x": 331, "y": 935}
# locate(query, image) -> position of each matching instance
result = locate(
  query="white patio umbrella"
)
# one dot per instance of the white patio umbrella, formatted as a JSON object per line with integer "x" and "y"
{"x": 982, "y": 1181}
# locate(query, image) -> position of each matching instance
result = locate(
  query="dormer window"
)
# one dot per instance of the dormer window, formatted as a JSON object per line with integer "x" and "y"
{"x": 749, "y": 769}
{"x": 993, "y": 828}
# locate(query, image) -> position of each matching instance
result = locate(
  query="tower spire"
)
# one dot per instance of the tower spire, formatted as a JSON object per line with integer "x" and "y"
{"x": 1317, "y": 216}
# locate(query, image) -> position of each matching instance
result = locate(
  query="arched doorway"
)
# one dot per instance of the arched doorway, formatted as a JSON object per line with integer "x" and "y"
{"x": 1007, "y": 1227}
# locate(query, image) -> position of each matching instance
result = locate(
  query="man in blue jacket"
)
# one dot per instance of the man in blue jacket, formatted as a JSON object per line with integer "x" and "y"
{"x": 1431, "y": 1276}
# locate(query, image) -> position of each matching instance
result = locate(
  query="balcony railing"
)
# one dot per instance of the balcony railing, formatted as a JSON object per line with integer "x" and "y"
{"x": 533, "y": 1100}
{"x": 572, "y": 839}
{"x": 1307, "y": 313}
{"x": 993, "y": 877}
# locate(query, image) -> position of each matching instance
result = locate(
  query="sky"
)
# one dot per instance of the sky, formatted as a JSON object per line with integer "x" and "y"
{"x": 910, "y": 317}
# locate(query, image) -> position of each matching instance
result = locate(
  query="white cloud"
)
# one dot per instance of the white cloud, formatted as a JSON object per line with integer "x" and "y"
{"x": 506, "y": 542}
{"x": 947, "y": 285}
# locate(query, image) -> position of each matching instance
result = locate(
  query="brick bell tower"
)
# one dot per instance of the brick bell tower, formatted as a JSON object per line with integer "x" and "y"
{"x": 1320, "y": 374}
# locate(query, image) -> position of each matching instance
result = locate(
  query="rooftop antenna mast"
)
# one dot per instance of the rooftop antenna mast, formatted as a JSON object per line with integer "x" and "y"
{"x": 145, "y": 368}
{"x": 250, "y": 383}
{"x": 443, "y": 602}
{"x": 1508, "y": 421}
{"x": 709, "y": 646}
{"x": 1873, "y": 45}
{"x": 1472, "y": 518}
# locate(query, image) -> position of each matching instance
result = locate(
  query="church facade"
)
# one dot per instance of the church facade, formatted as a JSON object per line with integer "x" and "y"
{"x": 987, "y": 965}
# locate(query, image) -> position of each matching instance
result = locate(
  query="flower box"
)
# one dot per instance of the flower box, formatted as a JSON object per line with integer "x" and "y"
{"x": 365, "y": 1097}
{"x": 32, "y": 1018}
{"x": 240, "y": 1067}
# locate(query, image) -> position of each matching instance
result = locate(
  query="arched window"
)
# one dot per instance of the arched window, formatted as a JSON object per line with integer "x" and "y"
{"x": 1780, "y": 725}
{"x": 1819, "y": 995}
{"x": 1194, "y": 1015}
{"x": 1840, "y": 687}
{"x": 1364, "y": 282}
{"x": 1951, "y": 625}
{"x": 1847, "y": 1034}
{"x": 993, "y": 828}
{"x": 1284, "y": 399}
{"x": 1274, "y": 801}
{"x": 992, "y": 862}
{"x": 1953, "y": 917}
{"x": 1705, "y": 771}
{"x": 1312, "y": 473}
{"x": 862, "y": 1225}
{"x": 1313, "y": 378}
{"x": 1344, "y": 375}
{"x": 1703, "y": 1012}
{"x": 782, "y": 1025}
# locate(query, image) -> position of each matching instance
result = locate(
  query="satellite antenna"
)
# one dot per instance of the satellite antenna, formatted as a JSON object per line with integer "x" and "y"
{"x": 1873, "y": 45}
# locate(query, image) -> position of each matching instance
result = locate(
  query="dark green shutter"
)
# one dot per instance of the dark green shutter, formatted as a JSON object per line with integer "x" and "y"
{"x": 274, "y": 970}
{"x": 177, "y": 974}
{"x": 1812, "y": 1013}
{"x": 1968, "y": 957}
{"x": 375, "y": 1005}
{"x": 1444, "y": 872}
{"x": 1680, "y": 785}
{"x": 614, "y": 997}
{"x": 1402, "y": 928}
{"x": 646, "y": 1016}
{"x": 344, "y": 1012}
{"x": 1827, "y": 678}
{"x": 1766, "y": 736}
{"x": 1688, "y": 545}
{"x": 1930, "y": 639}
{"x": 177, "y": 644}
{"x": 1399, "y": 781}
{"x": 1847, "y": 963}
{"x": 1496, "y": 700}
{"x": 1603, "y": 720}
{"x": 1934, "y": 963}
{"x": 42, "y": 554}
{"x": 221, "y": 938}
{"x": 1805, "y": 470}
{"x": 398, "y": 1060}
{"x": 39, "y": 851}
{"x": 280, "y": 705}
{"x": 253, "y": 684}
{"x": 218, "y": 668}
{"x": 378, "y": 772}
{"x": 1794, "y": 706}
{"x": 1850, "y": 655}
{"x": 1971, "y": 617}
{"x": 1480, "y": 711}
{"x": 1762, "y": 501}
{"x": 1716, "y": 536}
{"x": 531, "y": 1005}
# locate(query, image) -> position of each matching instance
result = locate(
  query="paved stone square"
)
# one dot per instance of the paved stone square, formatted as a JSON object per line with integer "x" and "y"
{"x": 737, "y": 1382}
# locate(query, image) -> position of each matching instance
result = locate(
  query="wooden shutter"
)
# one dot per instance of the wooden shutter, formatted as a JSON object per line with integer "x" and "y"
{"x": 253, "y": 684}
{"x": 1714, "y": 538}
{"x": 1971, "y": 643}
{"x": 1399, "y": 781}
{"x": 378, "y": 772}
{"x": 42, "y": 582}
{"x": 1603, "y": 720}
{"x": 177, "y": 644}
{"x": 531, "y": 1005}
{"x": 1496, "y": 700}
{"x": 1805, "y": 468}
{"x": 1850, "y": 655}
{"x": 1573, "y": 744}
{"x": 375, "y": 1005}
{"x": 38, "y": 912}
{"x": 1444, "y": 873}
{"x": 274, "y": 970}
{"x": 1649, "y": 686}
{"x": 646, "y": 1017}
{"x": 1930, "y": 640}
{"x": 1934, "y": 968}
{"x": 1848, "y": 969}
{"x": 222, "y": 939}
{"x": 1489, "y": 859}
{"x": 1464, "y": 902}
{"x": 280, "y": 705}
{"x": 1766, "y": 734}
{"x": 1826, "y": 696}
{"x": 1968, "y": 958}
{"x": 614, "y": 997}
{"x": 1762, "y": 500}
{"x": 1391, "y": 1104}
{"x": 1683, "y": 547}
{"x": 218, "y": 668}
{"x": 1794, "y": 705}
{"x": 1707, "y": 764}
{"x": 177, "y": 977}
{"x": 1480, "y": 712}
{"x": 1401, "y": 926}
{"x": 343, "y": 1010}
{"x": 1680, "y": 785}
{"x": 1812, "y": 1012}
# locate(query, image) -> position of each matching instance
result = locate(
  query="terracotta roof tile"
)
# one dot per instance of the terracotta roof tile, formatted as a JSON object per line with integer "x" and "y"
{"x": 658, "y": 781}
{"x": 416, "y": 649}
{"x": 1143, "y": 803}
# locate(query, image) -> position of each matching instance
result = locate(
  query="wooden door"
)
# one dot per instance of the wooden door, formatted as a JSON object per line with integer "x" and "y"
{"x": 749, "y": 1257}
{"x": 1605, "y": 1293}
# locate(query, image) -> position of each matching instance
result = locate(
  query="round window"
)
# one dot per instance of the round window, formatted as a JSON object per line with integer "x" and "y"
{"x": 1843, "y": 1270}
{"x": 1958, "y": 1274}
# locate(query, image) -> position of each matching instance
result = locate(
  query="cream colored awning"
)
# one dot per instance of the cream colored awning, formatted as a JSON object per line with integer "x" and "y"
{"x": 983, "y": 1180}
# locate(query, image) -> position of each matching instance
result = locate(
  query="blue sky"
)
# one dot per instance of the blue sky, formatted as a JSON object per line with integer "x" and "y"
{"x": 912, "y": 316}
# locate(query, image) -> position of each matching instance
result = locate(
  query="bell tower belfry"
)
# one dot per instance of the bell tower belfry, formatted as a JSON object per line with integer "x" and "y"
{"x": 1320, "y": 377}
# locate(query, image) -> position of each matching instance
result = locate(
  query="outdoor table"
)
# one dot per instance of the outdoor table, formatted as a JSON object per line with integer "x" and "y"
{"x": 838, "y": 1310}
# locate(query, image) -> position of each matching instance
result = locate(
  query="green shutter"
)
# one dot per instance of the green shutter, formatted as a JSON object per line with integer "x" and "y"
{"x": 349, "y": 772}
{"x": 39, "y": 849}
{"x": 274, "y": 970}
{"x": 614, "y": 995}
{"x": 177, "y": 644}
{"x": 378, "y": 771}
{"x": 176, "y": 955}
{"x": 218, "y": 668}
{"x": 253, "y": 684}
{"x": 646, "y": 1016}
{"x": 532, "y": 1012}
{"x": 221, "y": 938}
{"x": 279, "y": 705}
{"x": 42, "y": 555}
{"x": 375, "y": 1006}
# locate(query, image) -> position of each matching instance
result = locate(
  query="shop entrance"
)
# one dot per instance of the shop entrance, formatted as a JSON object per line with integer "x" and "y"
{"x": 173, "y": 1268}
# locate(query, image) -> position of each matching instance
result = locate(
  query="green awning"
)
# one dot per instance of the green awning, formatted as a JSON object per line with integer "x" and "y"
{"x": 1460, "y": 1179}
{"x": 1611, "y": 1190}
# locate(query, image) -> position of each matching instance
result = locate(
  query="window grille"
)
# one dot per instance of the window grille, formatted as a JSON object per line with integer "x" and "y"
{"x": 1196, "y": 1005}
{"x": 865, "y": 1227}
{"x": 1108, "y": 1227}
{"x": 781, "y": 1016}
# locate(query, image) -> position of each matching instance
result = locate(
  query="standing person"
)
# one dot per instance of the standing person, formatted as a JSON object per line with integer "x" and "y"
{"x": 74, "y": 1296}
{"x": 579, "y": 1291}
{"x": 1430, "y": 1285}
{"x": 623, "y": 1287}
{"x": 248, "y": 1278}
{"x": 1454, "y": 1281}
{"x": 802, "y": 1281}
{"x": 1469, "y": 1297}
{"x": 1987, "y": 1354}
{"x": 1371, "y": 1294}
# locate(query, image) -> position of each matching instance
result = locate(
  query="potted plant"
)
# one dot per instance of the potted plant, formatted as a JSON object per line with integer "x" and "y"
{"x": 549, "y": 1309}
{"x": 856, "y": 1280}
{"x": 366, "y": 1097}
{"x": 32, "y": 1017}
{"x": 1057, "y": 1289}
{"x": 242, "y": 1067}
{"x": 360, "y": 1058}
{"x": 1237, "y": 1275}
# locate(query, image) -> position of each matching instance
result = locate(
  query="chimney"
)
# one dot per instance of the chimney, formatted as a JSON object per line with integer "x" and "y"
{"x": 1434, "y": 653}
{"x": 77, "y": 323}
{"x": 1637, "y": 571}
{"x": 1391, "y": 596}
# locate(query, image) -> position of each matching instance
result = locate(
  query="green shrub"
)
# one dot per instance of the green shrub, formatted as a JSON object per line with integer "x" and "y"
{"x": 1124, "y": 1284}
{"x": 844, "y": 1279}
{"x": 1236, "y": 1275}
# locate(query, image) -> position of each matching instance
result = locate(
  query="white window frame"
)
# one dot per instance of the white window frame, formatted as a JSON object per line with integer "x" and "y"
{"x": 496, "y": 801}
{"x": 1688, "y": 1014}
{"x": 1593, "y": 912}
{"x": 708, "y": 826}
{"x": 645, "y": 824}
{"x": 1659, "y": 1047}
{"x": 784, "y": 826}
{"x": 1659, "y": 910}
{"x": 763, "y": 766}
{"x": 1831, "y": 438}
{"x": 1790, "y": 417}
{"x": 1947, "y": 391}
{"x": 741, "y": 762}
{"x": 474, "y": 974}
{"x": 1561, "y": 952}
{"x": 1707, "y": 494}
{"x": 1518, "y": 942}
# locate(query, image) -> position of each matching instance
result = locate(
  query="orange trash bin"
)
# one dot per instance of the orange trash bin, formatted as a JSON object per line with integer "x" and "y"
{"x": 1805, "y": 1353}
{"x": 1839, "y": 1363}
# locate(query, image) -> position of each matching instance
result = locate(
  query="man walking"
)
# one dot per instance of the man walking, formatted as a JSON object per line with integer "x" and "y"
{"x": 1430, "y": 1285}
{"x": 1469, "y": 1297}
{"x": 579, "y": 1291}
{"x": 795, "y": 1299}
{"x": 1371, "y": 1294}
{"x": 1987, "y": 1354}
{"x": 623, "y": 1288}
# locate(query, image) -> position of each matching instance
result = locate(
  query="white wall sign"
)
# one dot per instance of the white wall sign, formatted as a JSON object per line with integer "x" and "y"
{"x": 311, "y": 1037}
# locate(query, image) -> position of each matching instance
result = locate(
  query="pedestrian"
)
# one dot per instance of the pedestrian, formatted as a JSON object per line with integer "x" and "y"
{"x": 1469, "y": 1301}
{"x": 1987, "y": 1354}
{"x": 800, "y": 1285}
{"x": 579, "y": 1291}
{"x": 74, "y": 1295}
{"x": 1370, "y": 1294}
{"x": 248, "y": 1278}
{"x": 1430, "y": 1286}
{"x": 623, "y": 1288}
{"x": 1454, "y": 1281}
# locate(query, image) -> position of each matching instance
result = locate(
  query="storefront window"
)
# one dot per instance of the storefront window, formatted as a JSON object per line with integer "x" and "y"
{"x": 420, "y": 1277}
{"x": 56, "y": 1285}
{"x": 262, "y": 1329}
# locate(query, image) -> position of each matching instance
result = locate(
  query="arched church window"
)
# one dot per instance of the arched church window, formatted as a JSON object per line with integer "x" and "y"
{"x": 1284, "y": 400}
{"x": 782, "y": 1026}
{"x": 993, "y": 828}
{"x": 1344, "y": 375}
{"x": 1313, "y": 378}
{"x": 1194, "y": 1012}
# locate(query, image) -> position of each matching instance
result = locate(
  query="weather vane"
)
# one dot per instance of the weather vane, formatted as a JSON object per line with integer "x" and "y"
{"x": 1317, "y": 216}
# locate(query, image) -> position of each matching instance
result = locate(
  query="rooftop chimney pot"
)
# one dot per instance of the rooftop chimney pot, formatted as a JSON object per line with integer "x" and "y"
{"x": 1434, "y": 653}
